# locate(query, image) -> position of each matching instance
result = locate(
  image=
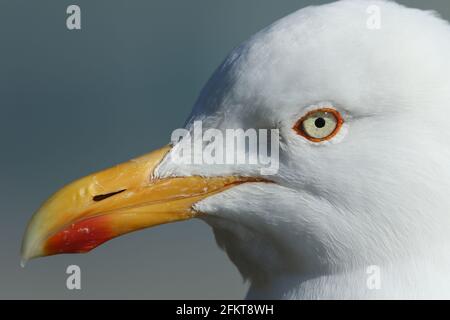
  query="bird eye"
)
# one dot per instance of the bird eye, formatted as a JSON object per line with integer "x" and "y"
{"x": 319, "y": 125}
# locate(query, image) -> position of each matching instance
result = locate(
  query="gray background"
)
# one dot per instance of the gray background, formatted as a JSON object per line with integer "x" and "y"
{"x": 73, "y": 102}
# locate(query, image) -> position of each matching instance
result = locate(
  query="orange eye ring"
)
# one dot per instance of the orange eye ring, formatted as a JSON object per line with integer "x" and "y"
{"x": 300, "y": 128}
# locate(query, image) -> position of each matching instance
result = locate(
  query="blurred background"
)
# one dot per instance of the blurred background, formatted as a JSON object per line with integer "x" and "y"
{"x": 74, "y": 102}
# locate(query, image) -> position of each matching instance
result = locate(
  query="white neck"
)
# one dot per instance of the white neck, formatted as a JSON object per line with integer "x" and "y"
{"x": 318, "y": 254}
{"x": 423, "y": 279}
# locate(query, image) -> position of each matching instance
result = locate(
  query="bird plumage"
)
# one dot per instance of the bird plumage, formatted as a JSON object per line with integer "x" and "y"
{"x": 377, "y": 193}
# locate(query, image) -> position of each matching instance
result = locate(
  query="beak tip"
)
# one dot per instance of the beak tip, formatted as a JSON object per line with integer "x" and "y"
{"x": 29, "y": 250}
{"x": 27, "y": 255}
{"x": 23, "y": 262}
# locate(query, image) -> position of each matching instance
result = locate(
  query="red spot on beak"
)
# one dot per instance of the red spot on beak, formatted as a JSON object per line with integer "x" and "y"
{"x": 80, "y": 237}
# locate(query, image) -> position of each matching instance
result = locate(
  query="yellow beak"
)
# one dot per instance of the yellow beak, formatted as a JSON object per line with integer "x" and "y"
{"x": 121, "y": 199}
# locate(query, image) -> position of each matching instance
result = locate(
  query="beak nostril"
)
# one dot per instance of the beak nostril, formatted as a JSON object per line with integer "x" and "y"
{"x": 101, "y": 197}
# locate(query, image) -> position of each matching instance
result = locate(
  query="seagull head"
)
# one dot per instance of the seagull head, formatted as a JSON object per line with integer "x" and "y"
{"x": 362, "y": 153}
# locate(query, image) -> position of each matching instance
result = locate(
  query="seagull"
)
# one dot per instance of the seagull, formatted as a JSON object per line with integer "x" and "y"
{"x": 359, "y": 207}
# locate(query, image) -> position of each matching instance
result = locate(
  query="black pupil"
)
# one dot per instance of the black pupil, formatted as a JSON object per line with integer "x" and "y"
{"x": 319, "y": 122}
